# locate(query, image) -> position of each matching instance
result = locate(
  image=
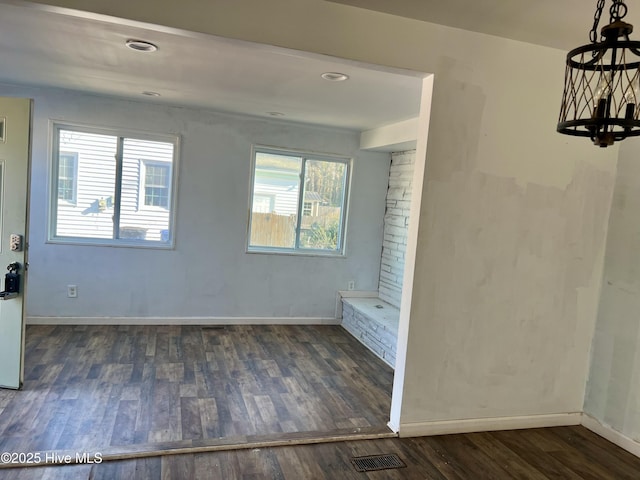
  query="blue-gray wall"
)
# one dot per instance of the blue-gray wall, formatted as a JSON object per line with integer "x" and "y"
{"x": 209, "y": 274}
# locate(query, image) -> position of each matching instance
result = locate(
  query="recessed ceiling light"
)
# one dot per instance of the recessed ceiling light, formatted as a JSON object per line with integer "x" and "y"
{"x": 276, "y": 114}
{"x": 335, "y": 76}
{"x": 150, "y": 94}
{"x": 141, "y": 46}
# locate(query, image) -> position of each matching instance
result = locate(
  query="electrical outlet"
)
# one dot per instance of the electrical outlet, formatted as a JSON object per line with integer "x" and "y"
{"x": 72, "y": 291}
{"x": 351, "y": 285}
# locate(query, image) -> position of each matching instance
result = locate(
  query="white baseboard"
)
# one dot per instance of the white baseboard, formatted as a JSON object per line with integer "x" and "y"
{"x": 181, "y": 321}
{"x": 447, "y": 427}
{"x": 605, "y": 431}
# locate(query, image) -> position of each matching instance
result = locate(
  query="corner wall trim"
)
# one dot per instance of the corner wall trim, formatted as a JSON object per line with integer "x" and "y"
{"x": 447, "y": 427}
{"x": 32, "y": 320}
{"x": 351, "y": 294}
{"x": 620, "y": 439}
{"x": 393, "y": 427}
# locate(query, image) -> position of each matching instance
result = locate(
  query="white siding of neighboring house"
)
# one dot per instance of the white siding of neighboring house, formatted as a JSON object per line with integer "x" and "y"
{"x": 133, "y": 211}
{"x": 282, "y": 188}
{"x": 96, "y": 168}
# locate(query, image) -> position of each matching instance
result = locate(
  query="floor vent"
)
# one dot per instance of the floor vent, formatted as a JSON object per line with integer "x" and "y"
{"x": 213, "y": 327}
{"x": 371, "y": 463}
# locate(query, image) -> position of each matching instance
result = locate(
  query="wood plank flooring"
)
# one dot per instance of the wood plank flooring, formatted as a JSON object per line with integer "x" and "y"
{"x": 92, "y": 387}
{"x": 539, "y": 454}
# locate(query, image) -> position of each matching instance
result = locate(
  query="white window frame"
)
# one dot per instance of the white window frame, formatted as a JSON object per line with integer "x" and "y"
{"x": 55, "y": 127}
{"x": 304, "y": 208}
{"x": 74, "y": 188}
{"x": 142, "y": 192}
{"x": 306, "y": 156}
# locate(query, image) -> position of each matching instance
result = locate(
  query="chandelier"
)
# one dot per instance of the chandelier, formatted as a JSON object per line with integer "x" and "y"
{"x": 601, "y": 98}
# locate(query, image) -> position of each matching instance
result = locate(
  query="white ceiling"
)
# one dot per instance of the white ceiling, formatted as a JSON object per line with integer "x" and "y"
{"x": 43, "y": 48}
{"x": 562, "y": 24}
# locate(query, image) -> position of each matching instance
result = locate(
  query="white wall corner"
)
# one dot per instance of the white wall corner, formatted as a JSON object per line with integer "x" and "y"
{"x": 395, "y": 428}
{"x": 605, "y": 431}
{"x": 397, "y": 137}
{"x": 473, "y": 425}
{"x": 351, "y": 294}
{"x": 402, "y": 358}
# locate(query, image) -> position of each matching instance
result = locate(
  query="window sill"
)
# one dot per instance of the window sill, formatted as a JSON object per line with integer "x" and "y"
{"x": 151, "y": 208}
{"x": 88, "y": 242}
{"x": 296, "y": 253}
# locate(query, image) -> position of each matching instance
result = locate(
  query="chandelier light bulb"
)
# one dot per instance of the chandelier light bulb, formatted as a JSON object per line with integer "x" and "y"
{"x": 631, "y": 97}
{"x": 604, "y": 89}
{"x": 601, "y": 96}
{"x": 633, "y": 92}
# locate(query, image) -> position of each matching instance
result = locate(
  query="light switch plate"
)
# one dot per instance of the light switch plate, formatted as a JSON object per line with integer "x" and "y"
{"x": 15, "y": 242}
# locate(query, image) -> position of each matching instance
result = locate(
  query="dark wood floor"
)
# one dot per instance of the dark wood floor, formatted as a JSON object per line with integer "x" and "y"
{"x": 90, "y": 387}
{"x": 557, "y": 453}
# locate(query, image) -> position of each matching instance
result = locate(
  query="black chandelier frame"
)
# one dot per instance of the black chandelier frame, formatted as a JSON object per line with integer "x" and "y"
{"x": 601, "y": 98}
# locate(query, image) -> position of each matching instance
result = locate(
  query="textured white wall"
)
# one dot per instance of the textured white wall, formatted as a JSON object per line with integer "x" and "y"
{"x": 510, "y": 243}
{"x": 208, "y": 273}
{"x": 613, "y": 393}
{"x": 512, "y": 220}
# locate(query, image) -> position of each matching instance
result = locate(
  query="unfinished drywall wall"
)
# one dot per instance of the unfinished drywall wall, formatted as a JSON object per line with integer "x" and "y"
{"x": 510, "y": 249}
{"x": 209, "y": 274}
{"x": 510, "y": 232}
{"x": 613, "y": 389}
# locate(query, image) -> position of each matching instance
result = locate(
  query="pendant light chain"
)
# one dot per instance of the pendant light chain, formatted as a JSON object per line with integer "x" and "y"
{"x": 618, "y": 10}
{"x": 593, "y": 34}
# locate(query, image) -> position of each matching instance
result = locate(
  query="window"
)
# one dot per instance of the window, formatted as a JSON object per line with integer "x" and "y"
{"x": 263, "y": 203}
{"x": 157, "y": 185}
{"x": 67, "y": 176}
{"x": 298, "y": 202}
{"x": 113, "y": 189}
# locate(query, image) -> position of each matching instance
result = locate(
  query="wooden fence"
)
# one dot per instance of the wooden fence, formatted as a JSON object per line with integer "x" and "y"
{"x": 271, "y": 230}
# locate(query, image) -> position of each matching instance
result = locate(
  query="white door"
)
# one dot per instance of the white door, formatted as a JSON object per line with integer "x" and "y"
{"x": 15, "y": 129}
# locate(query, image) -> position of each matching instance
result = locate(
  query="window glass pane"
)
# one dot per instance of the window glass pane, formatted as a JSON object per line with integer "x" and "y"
{"x": 66, "y": 176}
{"x": 286, "y": 217}
{"x": 275, "y": 200}
{"x": 145, "y": 209}
{"x": 324, "y": 191}
{"x": 87, "y": 203}
{"x": 156, "y": 185}
{"x": 91, "y": 216}
{"x": 307, "y": 208}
